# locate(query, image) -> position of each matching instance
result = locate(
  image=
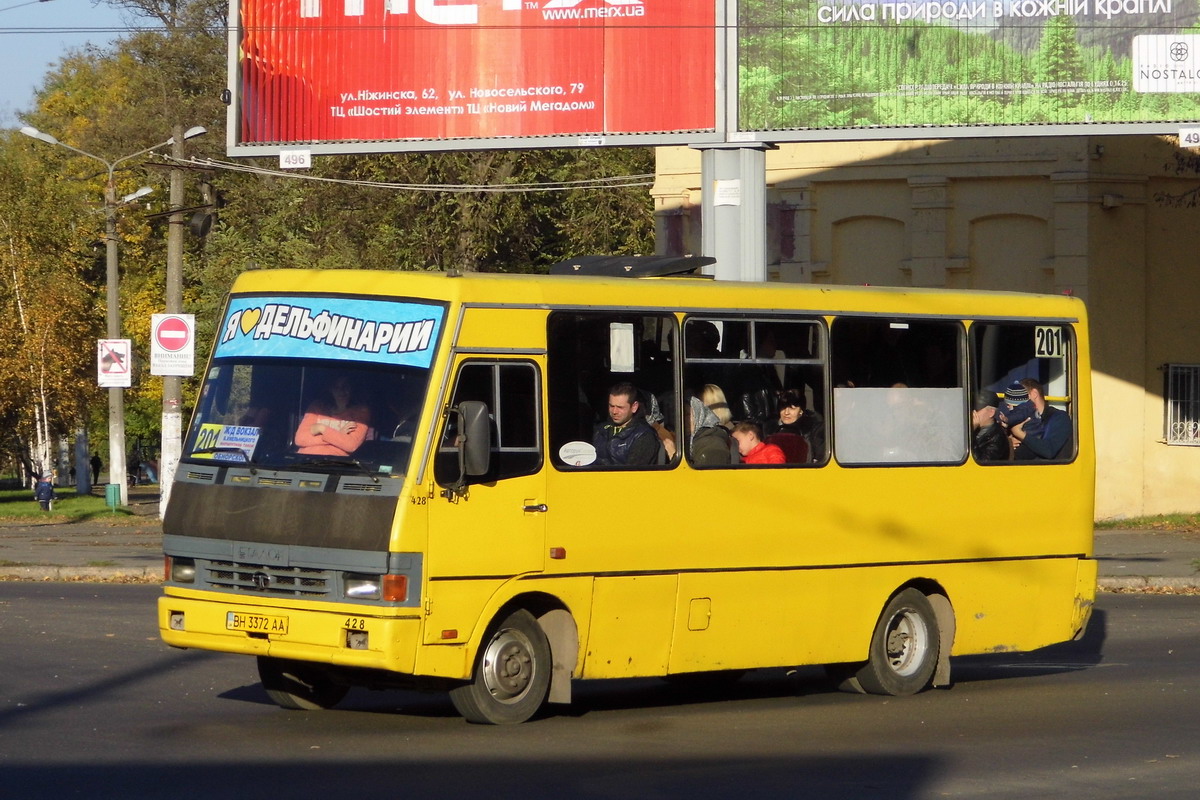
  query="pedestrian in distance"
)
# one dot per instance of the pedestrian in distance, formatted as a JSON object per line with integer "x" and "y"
{"x": 44, "y": 491}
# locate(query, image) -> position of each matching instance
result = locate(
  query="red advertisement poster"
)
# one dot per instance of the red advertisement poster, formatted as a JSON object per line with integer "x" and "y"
{"x": 379, "y": 70}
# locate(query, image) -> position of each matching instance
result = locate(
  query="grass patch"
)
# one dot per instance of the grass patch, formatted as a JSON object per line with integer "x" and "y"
{"x": 102, "y": 563}
{"x": 19, "y": 505}
{"x": 1162, "y": 522}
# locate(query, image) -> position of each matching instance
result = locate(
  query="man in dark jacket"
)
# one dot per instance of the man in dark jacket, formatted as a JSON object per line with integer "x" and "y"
{"x": 627, "y": 440}
{"x": 1047, "y": 435}
{"x": 989, "y": 441}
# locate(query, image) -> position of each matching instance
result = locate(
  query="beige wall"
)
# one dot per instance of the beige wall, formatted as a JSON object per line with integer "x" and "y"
{"x": 1114, "y": 220}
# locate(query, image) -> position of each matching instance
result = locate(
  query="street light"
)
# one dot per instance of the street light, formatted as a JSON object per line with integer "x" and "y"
{"x": 116, "y": 395}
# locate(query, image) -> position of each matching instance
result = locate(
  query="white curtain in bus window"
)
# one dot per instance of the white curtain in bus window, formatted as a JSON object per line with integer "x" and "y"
{"x": 899, "y": 425}
{"x": 620, "y": 347}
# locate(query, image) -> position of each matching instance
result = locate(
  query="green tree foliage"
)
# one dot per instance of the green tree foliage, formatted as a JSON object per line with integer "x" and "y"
{"x": 169, "y": 74}
{"x": 1059, "y": 60}
{"x": 798, "y": 72}
{"x": 48, "y": 319}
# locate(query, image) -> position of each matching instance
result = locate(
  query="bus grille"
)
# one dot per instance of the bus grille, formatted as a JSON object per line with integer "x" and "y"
{"x": 261, "y": 579}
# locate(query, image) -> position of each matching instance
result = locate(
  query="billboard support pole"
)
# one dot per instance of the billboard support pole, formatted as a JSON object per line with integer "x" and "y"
{"x": 733, "y": 207}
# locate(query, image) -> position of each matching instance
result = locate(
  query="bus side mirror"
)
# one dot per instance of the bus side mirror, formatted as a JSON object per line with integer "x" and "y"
{"x": 475, "y": 450}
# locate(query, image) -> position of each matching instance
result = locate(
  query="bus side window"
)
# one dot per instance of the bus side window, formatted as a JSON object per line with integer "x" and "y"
{"x": 900, "y": 396}
{"x": 512, "y": 392}
{"x": 1006, "y": 353}
{"x": 743, "y": 367}
{"x": 589, "y": 352}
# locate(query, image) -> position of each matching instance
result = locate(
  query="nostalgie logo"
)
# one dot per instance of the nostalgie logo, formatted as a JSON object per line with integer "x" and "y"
{"x": 441, "y": 13}
{"x": 327, "y": 329}
{"x": 1166, "y": 63}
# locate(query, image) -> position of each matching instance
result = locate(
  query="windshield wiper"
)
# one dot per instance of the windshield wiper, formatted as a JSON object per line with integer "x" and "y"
{"x": 340, "y": 462}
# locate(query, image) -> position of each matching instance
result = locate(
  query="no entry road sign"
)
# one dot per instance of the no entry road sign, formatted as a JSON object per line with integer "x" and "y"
{"x": 172, "y": 344}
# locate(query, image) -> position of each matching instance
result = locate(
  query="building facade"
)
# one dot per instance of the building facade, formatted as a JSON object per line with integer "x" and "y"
{"x": 1114, "y": 220}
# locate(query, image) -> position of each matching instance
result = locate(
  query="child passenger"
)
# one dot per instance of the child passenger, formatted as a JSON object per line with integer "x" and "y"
{"x": 753, "y": 449}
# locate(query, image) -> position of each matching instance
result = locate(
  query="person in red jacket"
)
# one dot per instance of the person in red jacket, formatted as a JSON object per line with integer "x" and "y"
{"x": 335, "y": 425}
{"x": 753, "y": 449}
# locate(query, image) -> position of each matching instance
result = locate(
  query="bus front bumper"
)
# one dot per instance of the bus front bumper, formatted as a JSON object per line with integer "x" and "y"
{"x": 353, "y": 636}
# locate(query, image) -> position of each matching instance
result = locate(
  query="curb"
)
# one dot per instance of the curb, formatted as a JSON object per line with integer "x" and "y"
{"x": 82, "y": 574}
{"x": 1144, "y": 583}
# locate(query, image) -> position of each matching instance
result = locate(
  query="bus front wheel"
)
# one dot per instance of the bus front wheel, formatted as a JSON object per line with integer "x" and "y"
{"x": 298, "y": 686}
{"x": 904, "y": 647}
{"x": 512, "y": 674}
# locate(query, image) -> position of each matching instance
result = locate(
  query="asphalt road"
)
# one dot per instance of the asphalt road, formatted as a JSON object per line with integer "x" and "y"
{"x": 93, "y": 705}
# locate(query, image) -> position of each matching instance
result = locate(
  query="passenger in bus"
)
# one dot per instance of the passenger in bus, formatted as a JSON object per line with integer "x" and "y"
{"x": 1015, "y": 406}
{"x": 335, "y": 425}
{"x": 752, "y": 447}
{"x": 651, "y": 409}
{"x": 627, "y": 439}
{"x": 1047, "y": 434}
{"x": 795, "y": 419}
{"x": 709, "y": 443}
{"x": 714, "y": 398}
{"x": 702, "y": 339}
{"x": 989, "y": 440}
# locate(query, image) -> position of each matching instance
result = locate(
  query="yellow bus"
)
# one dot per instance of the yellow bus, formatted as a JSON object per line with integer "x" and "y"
{"x": 445, "y": 481}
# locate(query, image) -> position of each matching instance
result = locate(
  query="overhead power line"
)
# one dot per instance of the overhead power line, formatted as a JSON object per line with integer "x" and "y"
{"x": 614, "y": 182}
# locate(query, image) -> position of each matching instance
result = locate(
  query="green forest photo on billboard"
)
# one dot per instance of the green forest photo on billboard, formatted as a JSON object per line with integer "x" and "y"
{"x": 805, "y": 64}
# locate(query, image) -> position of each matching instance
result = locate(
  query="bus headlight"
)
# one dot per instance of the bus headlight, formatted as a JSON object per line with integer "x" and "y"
{"x": 362, "y": 587}
{"x": 392, "y": 588}
{"x": 181, "y": 570}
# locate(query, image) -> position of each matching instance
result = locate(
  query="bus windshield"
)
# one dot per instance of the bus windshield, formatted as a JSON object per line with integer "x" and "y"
{"x": 289, "y": 414}
{"x": 316, "y": 382}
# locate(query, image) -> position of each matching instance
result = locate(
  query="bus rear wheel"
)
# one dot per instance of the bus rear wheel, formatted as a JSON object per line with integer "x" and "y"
{"x": 512, "y": 674}
{"x": 904, "y": 647}
{"x": 298, "y": 686}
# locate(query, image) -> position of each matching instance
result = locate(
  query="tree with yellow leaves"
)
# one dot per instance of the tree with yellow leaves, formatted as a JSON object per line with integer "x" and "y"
{"x": 48, "y": 319}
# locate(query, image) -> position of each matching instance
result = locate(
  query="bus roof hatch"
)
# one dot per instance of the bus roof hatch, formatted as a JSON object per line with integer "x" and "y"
{"x": 630, "y": 266}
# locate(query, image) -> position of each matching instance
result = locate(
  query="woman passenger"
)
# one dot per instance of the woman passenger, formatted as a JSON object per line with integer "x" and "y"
{"x": 794, "y": 418}
{"x": 714, "y": 398}
{"x": 335, "y": 425}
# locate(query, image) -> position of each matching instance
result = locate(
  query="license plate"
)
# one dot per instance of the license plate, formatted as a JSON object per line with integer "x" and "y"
{"x": 256, "y": 623}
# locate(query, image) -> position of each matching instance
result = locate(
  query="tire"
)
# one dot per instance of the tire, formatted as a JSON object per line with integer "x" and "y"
{"x": 298, "y": 686}
{"x": 904, "y": 647}
{"x": 512, "y": 674}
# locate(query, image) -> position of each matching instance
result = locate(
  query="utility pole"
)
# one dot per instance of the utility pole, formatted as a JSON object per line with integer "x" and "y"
{"x": 172, "y": 424}
{"x": 116, "y": 395}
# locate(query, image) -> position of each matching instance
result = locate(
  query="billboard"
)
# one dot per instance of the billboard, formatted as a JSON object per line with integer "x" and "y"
{"x": 357, "y": 76}
{"x": 379, "y": 75}
{"x": 918, "y": 68}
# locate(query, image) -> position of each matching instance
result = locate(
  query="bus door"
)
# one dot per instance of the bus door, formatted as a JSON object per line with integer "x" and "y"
{"x": 491, "y": 525}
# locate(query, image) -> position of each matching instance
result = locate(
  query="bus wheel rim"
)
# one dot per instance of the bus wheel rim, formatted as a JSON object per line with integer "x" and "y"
{"x": 508, "y": 666}
{"x": 907, "y": 642}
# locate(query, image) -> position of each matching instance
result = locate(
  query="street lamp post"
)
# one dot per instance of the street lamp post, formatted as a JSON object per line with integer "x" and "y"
{"x": 116, "y": 395}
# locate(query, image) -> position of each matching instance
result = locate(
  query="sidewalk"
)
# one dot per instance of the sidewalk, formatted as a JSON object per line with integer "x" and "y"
{"x": 116, "y": 547}
{"x": 1148, "y": 559}
{"x": 123, "y": 548}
